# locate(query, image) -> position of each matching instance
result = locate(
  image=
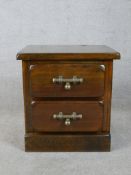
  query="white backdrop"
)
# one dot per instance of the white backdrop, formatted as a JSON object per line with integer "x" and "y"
{"x": 25, "y": 22}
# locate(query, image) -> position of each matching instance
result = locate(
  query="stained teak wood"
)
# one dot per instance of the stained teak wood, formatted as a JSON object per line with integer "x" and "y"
{"x": 42, "y": 116}
{"x": 72, "y": 52}
{"x": 90, "y": 99}
{"x": 42, "y": 74}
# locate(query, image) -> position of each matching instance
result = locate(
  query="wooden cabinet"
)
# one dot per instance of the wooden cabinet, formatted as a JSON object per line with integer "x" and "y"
{"x": 67, "y": 97}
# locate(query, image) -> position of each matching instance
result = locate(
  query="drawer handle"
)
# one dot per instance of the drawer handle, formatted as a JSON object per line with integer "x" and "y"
{"x": 67, "y": 118}
{"x": 67, "y": 81}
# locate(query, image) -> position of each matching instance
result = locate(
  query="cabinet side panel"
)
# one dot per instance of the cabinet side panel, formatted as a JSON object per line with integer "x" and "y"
{"x": 108, "y": 96}
{"x": 26, "y": 93}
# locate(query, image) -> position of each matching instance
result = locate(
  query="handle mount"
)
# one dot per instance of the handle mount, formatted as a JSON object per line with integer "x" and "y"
{"x": 67, "y": 81}
{"x": 67, "y": 117}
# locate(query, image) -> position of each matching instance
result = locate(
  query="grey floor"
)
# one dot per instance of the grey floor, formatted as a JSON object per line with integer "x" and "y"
{"x": 14, "y": 161}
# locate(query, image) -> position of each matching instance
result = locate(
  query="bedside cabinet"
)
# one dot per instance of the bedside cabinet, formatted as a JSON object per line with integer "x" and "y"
{"x": 67, "y": 97}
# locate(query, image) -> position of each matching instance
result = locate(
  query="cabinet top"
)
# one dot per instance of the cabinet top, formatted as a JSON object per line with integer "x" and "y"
{"x": 67, "y": 52}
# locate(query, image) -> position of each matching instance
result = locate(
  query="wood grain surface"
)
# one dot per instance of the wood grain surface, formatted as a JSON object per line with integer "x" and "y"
{"x": 41, "y": 75}
{"x": 43, "y": 121}
{"x": 67, "y": 52}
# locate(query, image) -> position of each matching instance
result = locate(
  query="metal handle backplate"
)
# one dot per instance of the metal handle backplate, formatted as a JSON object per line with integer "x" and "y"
{"x": 67, "y": 81}
{"x": 67, "y": 117}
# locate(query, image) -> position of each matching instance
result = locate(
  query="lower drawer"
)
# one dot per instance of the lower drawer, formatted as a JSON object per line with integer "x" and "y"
{"x": 67, "y": 116}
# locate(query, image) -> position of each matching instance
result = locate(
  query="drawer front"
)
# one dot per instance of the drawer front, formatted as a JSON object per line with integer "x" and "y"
{"x": 77, "y": 80}
{"x": 63, "y": 116}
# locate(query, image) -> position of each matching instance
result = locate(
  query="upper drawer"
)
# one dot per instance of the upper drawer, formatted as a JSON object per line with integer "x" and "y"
{"x": 77, "y": 80}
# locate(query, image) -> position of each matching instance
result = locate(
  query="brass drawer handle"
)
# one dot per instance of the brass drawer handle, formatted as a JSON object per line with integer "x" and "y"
{"x": 67, "y": 81}
{"x": 67, "y": 117}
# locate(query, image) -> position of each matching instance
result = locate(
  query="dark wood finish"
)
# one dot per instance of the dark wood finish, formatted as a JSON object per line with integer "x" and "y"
{"x": 68, "y": 142}
{"x": 41, "y": 75}
{"x": 107, "y": 97}
{"x": 42, "y": 116}
{"x": 92, "y": 98}
{"x": 74, "y": 52}
{"x": 26, "y": 94}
